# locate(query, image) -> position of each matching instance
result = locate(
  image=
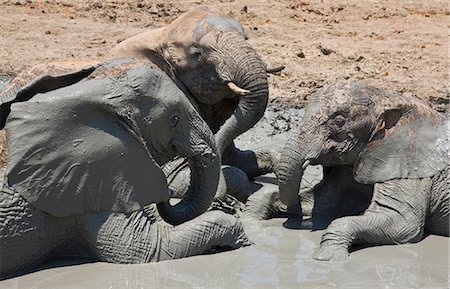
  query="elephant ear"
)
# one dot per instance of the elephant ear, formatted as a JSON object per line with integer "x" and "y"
{"x": 409, "y": 141}
{"x": 71, "y": 152}
{"x": 17, "y": 93}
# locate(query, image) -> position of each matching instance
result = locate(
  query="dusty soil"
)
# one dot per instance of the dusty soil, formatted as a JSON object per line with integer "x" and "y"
{"x": 401, "y": 46}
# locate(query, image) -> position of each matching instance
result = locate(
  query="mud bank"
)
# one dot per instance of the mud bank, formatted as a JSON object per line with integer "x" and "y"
{"x": 399, "y": 46}
{"x": 279, "y": 258}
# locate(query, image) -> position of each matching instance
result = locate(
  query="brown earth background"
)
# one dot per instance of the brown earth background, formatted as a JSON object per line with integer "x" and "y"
{"x": 400, "y": 46}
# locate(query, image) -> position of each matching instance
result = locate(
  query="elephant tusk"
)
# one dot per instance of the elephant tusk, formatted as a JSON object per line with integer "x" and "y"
{"x": 305, "y": 164}
{"x": 236, "y": 89}
{"x": 275, "y": 69}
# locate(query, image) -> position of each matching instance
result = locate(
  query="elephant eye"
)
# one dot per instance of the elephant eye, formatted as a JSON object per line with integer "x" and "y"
{"x": 195, "y": 52}
{"x": 339, "y": 120}
{"x": 174, "y": 120}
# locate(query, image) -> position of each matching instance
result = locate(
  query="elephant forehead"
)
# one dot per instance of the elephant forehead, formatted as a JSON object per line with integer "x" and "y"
{"x": 217, "y": 23}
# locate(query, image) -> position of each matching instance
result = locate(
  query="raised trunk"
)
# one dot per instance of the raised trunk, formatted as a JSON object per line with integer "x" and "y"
{"x": 248, "y": 72}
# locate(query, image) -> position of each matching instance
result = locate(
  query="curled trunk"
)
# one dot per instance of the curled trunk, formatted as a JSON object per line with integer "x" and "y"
{"x": 204, "y": 162}
{"x": 248, "y": 72}
{"x": 199, "y": 197}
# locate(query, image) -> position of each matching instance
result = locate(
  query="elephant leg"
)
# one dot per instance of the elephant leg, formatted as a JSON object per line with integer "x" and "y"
{"x": 438, "y": 220}
{"x": 123, "y": 238}
{"x": 208, "y": 232}
{"x": 140, "y": 238}
{"x": 237, "y": 182}
{"x": 396, "y": 215}
{"x": 264, "y": 203}
{"x": 253, "y": 163}
{"x": 338, "y": 195}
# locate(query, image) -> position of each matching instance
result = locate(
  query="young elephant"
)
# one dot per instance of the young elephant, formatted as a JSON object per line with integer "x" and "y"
{"x": 84, "y": 160}
{"x": 206, "y": 53}
{"x": 396, "y": 144}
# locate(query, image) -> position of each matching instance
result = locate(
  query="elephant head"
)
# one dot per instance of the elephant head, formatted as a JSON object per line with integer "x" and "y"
{"x": 381, "y": 135}
{"x": 207, "y": 54}
{"x": 97, "y": 145}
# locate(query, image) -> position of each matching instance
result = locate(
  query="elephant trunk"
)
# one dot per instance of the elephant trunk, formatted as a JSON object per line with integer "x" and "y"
{"x": 204, "y": 162}
{"x": 295, "y": 157}
{"x": 248, "y": 79}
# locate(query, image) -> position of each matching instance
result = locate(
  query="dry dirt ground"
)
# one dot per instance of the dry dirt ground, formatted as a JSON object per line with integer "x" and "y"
{"x": 401, "y": 46}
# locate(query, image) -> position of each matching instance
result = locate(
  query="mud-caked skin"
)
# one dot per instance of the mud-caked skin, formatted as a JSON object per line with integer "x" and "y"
{"x": 84, "y": 175}
{"x": 389, "y": 151}
{"x": 206, "y": 53}
{"x": 29, "y": 236}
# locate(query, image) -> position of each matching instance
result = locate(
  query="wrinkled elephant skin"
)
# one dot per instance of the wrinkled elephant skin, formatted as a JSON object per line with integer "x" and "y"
{"x": 207, "y": 55}
{"x": 83, "y": 168}
{"x": 395, "y": 146}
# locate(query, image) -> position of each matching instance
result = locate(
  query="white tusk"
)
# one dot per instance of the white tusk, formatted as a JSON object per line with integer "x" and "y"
{"x": 305, "y": 164}
{"x": 236, "y": 89}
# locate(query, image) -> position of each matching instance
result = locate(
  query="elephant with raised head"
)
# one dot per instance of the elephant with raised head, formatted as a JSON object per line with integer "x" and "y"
{"x": 207, "y": 55}
{"x": 394, "y": 146}
{"x": 83, "y": 164}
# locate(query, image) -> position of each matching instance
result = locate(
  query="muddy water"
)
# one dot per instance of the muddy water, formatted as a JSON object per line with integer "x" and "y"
{"x": 279, "y": 258}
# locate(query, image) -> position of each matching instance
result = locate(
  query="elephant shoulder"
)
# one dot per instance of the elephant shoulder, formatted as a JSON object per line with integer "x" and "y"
{"x": 413, "y": 145}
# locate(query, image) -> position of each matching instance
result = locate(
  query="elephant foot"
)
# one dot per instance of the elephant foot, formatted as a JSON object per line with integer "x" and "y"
{"x": 331, "y": 253}
{"x": 210, "y": 232}
{"x": 265, "y": 203}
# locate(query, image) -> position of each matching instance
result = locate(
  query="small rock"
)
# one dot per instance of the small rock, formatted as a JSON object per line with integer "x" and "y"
{"x": 301, "y": 54}
{"x": 153, "y": 10}
{"x": 325, "y": 51}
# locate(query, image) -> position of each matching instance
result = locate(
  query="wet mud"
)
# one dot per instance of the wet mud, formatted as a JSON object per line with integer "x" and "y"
{"x": 279, "y": 257}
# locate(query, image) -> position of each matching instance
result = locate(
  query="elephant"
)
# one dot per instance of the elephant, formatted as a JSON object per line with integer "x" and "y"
{"x": 395, "y": 147}
{"x": 83, "y": 171}
{"x": 207, "y": 55}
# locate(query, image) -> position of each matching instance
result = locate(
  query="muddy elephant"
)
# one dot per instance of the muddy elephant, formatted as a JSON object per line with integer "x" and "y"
{"x": 207, "y": 55}
{"x": 83, "y": 165}
{"x": 395, "y": 146}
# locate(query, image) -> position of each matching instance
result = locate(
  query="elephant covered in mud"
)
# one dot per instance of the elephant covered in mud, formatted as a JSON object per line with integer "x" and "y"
{"x": 207, "y": 55}
{"x": 392, "y": 146}
{"x": 83, "y": 164}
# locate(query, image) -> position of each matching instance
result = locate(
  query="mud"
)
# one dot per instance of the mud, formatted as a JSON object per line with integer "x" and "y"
{"x": 399, "y": 46}
{"x": 279, "y": 258}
